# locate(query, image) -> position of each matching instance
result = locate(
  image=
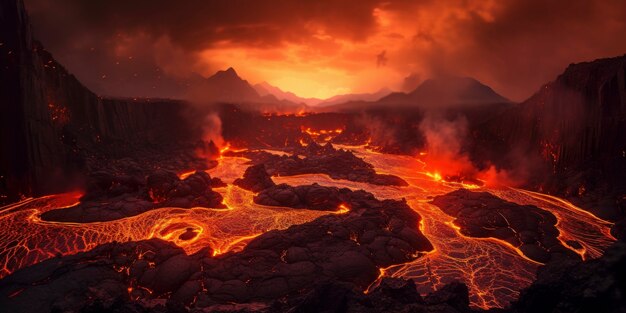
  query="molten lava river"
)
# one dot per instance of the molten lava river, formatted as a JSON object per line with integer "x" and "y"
{"x": 493, "y": 270}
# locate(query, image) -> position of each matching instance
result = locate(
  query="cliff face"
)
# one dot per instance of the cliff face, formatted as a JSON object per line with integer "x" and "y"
{"x": 48, "y": 118}
{"x": 576, "y": 126}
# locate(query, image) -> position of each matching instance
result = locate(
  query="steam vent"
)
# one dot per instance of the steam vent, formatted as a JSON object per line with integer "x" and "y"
{"x": 312, "y": 156}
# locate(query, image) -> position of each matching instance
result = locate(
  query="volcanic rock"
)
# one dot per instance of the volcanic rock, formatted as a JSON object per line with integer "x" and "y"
{"x": 294, "y": 261}
{"x": 527, "y": 227}
{"x": 570, "y": 135}
{"x": 336, "y": 163}
{"x": 255, "y": 179}
{"x": 392, "y": 295}
{"x": 312, "y": 197}
{"x": 111, "y": 197}
{"x": 51, "y": 124}
{"x": 576, "y": 286}
{"x": 194, "y": 190}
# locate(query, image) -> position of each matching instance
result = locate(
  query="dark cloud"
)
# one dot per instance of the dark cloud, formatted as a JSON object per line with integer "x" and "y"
{"x": 118, "y": 39}
{"x": 197, "y": 24}
{"x": 523, "y": 44}
{"x": 151, "y": 48}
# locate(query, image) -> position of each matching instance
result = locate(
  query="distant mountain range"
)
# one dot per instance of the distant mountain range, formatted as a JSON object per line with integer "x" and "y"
{"x": 444, "y": 92}
{"x": 265, "y": 88}
{"x": 441, "y": 92}
{"x": 447, "y": 91}
{"x": 227, "y": 86}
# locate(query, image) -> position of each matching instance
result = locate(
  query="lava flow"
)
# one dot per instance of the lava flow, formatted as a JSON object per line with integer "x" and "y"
{"x": 322, "y": 134}
{"x": 493, "y": 270}
{"x": 27, "y": 239}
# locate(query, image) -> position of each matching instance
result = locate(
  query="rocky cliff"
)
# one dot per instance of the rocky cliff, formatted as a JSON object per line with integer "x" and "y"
{"x": 573, "y": 130}
{"x": 48, "y": 118}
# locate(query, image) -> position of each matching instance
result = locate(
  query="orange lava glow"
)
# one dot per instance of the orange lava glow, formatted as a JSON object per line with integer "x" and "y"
{"x": 27, "y": 239}
{"x": 186, "y": 174}
{"x": 493, "y": 270}
{"x": 225, "y": 148}
{"x": 321, "y": 135}
{"x": 343, "y": 209}
{"x": 436, "y": 176}
{"x": 300, "y": 113}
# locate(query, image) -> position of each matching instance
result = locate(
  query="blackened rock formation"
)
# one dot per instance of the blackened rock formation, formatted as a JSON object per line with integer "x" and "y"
{"x": 336, "y": 163}
{"x": 110, "y": 197}
{"x": 255, "y": 179}
{"x": 102, "y": 277}
{"x": 339, "y": 247}
{"x": 194, "y": 191}
{"x": 570, "y": 134}
{"x": 393, "y": 295}
{"x": 48, "y": 119}
{"x": 312, "y": 197}
{"x": 344, "y": 249}
{"x": 574, "y": 286}
{"x": 527, "y": 227}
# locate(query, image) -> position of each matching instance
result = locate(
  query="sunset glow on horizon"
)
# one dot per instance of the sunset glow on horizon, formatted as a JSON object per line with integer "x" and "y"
{"x": 324, "y": 48}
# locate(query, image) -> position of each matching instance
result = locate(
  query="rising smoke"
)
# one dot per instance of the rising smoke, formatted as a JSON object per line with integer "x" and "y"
{"x": 447, "y": 154}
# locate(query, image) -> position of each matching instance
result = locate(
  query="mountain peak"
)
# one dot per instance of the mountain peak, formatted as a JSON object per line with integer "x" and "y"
{"x": 447, "y": 91}
{"x": 456, "y": 89}
{"x": 229, "y": 73}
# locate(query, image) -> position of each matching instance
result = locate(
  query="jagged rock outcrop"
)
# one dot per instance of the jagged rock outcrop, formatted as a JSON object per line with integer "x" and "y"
{"x": 577, "y": 287}
{"x": 312, "y": 197}
{"x": 48, "y": 117}
{"x": 323, "y": 159}
{"x": 570, "y": 134}
{"x": 527, "y": 227}
{"x": 255, "y": 179}
{"x": 110, "y": 196}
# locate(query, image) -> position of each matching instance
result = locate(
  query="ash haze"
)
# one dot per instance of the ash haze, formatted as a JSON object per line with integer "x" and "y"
{"x": 323, "y": 48}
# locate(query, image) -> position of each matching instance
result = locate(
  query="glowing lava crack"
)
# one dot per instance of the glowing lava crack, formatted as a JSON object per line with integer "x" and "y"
{"x": 493, "y": 269}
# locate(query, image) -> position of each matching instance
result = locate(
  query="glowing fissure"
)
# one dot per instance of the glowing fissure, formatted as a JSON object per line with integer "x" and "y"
{"x": 494, "y": 270}
{"x": 27, "y": 239}
{"x": 321, "y": 135}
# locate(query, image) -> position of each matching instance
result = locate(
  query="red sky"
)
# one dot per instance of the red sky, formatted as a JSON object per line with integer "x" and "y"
{"x": 322, "y": 48}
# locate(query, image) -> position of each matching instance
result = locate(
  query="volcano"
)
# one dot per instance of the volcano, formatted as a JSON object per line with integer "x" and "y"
{"x": 248, "y": 198}
{"x": 227, "y": 86}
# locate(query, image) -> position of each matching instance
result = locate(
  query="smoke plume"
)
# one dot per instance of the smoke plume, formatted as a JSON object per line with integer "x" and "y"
{"x": 447, "y": 155}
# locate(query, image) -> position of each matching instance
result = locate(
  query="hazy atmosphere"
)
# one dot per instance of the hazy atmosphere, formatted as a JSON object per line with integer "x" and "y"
{"x": 323, "y": 48}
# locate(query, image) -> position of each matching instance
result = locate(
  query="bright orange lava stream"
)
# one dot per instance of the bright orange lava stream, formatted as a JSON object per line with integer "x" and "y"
{"x": 26, "y": 239}
{"x": 494, "y": 270}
